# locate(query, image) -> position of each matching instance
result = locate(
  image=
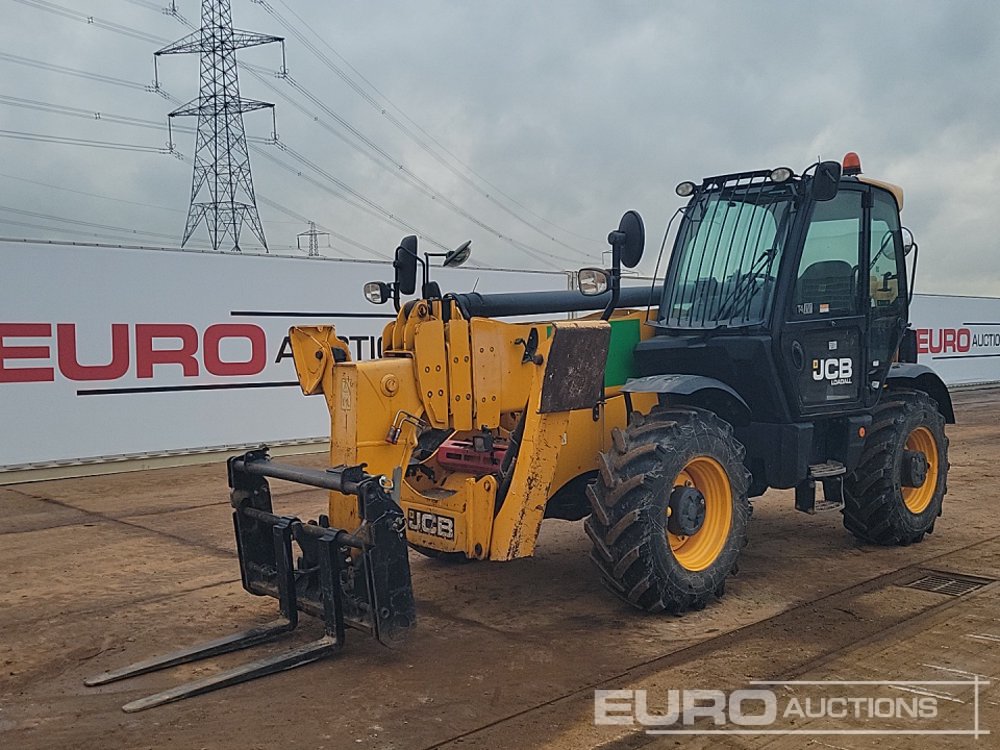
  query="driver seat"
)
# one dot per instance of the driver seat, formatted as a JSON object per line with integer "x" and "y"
{"x": 830, "y": 282}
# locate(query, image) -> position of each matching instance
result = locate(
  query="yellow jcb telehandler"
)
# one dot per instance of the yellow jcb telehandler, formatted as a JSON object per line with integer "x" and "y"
{"x": 775, "y": 352}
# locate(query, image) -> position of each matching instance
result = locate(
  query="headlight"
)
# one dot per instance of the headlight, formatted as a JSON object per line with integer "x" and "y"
{"x": 781, "y": 174}
{"x": 593, "y": 281}
{"x": 685, "y": 189}
{"x": 376, "y": 292}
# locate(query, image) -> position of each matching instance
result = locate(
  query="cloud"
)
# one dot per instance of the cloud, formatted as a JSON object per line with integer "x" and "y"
{"x": 576, "y": 110}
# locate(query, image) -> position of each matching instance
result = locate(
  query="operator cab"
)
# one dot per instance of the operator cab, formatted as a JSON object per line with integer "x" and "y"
{"x": 808, "y": 272}
{"x": 789, "y": 294}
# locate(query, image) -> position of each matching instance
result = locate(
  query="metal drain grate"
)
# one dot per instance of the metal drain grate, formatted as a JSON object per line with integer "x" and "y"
{"x": 948, "y": 584}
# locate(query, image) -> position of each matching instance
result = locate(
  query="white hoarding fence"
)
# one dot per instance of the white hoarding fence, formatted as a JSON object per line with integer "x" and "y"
{"x": 113, "y": 352}
{"x": 106, "y": 353}
{"x": 958, "y": 337}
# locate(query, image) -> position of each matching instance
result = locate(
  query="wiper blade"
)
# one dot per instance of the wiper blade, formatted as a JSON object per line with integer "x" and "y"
{"x": 747, "y": 287}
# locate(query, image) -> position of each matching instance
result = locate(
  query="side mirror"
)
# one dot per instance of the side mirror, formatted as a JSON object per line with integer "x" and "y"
{"x": 630, "y": 239}
{"x": 377, "y": 292}
{"x": 459, "y": 255}
{"x": 593, "y": 282}
{"x": 908, "y": 241}
{"x": 886, "y": 248}
{"x": 406, "y": 265}
{"x": 826, "y": 181}
{"x": 627, "y": 243}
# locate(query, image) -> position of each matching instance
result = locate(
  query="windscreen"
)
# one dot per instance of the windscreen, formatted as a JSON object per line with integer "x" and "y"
{"x": 727, "y": 255}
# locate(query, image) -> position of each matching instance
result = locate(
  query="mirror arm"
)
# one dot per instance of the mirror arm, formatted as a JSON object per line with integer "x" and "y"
{"x": 913, "y": 273}
{"x": 425, "y": 261}
{"x": 616, "y": 276}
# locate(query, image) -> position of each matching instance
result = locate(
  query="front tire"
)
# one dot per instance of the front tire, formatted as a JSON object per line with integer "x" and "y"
{"x": 895, "y": 496}
{"x": 670, "y": 509}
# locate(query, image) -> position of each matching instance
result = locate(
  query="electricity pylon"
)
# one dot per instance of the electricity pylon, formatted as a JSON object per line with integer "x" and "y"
{"x": 222, "y": 188}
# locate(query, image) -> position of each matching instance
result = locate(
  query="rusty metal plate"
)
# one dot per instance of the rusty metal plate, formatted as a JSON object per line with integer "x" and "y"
{"x": 574, "y": 367}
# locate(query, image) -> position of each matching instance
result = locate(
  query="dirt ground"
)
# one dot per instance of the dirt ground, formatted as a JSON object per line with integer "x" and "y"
{"x": 99, "y": 572}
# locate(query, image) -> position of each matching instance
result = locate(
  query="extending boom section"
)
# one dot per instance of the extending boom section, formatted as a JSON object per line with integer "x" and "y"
{"x": 510, "y": 304}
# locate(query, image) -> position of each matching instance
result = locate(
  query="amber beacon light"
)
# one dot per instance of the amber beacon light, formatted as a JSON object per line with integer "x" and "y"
{"x": 852, "y": 163}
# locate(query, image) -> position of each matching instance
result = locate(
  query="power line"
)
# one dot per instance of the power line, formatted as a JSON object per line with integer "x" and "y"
{"x": 341, "y": 237}
{"x": 86, "y": 114}
{"x": 75, "y": 72}
{"x": 50, "y": 186}
{"x": 101, "y": 196}
{"x": 42, "y": 138}
{"x": 299, "y": 217}
{"x": 138, "y": 122}
{"x": 385, "y": 160}
{"x": 151, "y": 6}
{"x": 172, "y": 11}
{"x": 360, "y": 202}
{"x": 393, "y": 167}
{"x": 59, "y": 230}
{"x": 80, "y": 228}
{"x": 81, "y": 223}
{"x": 102, "y": 116}
{"x": 65, "y": 12}
{"x": 75, "y": 233}
{"x": 366, "y": 203}
{"x": 407, "y": 131}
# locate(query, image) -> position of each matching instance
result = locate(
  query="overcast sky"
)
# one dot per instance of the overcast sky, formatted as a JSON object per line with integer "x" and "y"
{"x": 575, "y": 110}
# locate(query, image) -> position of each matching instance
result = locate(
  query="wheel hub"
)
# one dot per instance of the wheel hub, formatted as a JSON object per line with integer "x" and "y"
{"x": 687, "y": 511}
{"x": 914, "y": 469}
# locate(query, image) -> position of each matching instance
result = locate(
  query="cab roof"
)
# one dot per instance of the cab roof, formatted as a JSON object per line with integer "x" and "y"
{"x": 896, "y": 190}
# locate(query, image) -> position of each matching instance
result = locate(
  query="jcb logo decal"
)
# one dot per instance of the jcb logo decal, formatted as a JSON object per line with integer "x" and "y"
{"x": 430, "y": 523}
{"x": 838, "y": 371}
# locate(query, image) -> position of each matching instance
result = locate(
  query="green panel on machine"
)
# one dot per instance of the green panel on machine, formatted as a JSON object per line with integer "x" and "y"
{"x": 621, "y": 364}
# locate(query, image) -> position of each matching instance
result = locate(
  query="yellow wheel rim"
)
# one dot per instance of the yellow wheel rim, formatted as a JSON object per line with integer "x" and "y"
{"x": 701, "y": 549}
{"x": 918, "y": 498}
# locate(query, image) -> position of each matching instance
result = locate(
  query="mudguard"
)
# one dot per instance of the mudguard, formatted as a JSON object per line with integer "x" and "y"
{"x": 697, "y": 390}
{"x": 922, "y": 378}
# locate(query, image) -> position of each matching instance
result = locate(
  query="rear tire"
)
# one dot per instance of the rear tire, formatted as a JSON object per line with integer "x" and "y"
{"x": 878, "y": 508}
{"x": 640, "y": 559}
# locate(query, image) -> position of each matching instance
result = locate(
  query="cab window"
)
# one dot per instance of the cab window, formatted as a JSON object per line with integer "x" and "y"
{"x": 826, "y": 284}
{"x": 883, "y": 275}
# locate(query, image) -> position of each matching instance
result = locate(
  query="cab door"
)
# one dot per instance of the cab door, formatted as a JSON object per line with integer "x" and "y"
{"x": 823, "y": 342}
{"x": 887, "y": 297}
